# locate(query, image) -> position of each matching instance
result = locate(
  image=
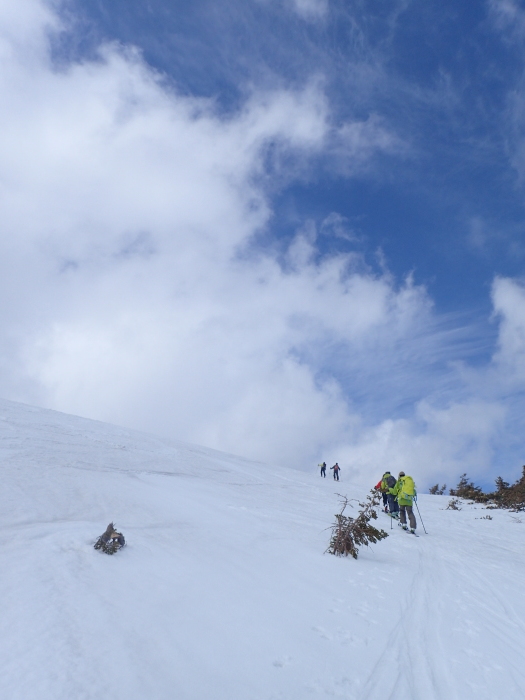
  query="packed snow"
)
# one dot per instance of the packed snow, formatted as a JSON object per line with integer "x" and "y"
{"x": 224, "y": 592}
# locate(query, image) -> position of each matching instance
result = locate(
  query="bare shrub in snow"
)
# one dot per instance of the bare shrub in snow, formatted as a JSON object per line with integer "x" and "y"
{"x": 454, "y": 504}
{"x": 348, "y": 534}
{"x": 436, "y": 491}
{"x": 110, "y": 541}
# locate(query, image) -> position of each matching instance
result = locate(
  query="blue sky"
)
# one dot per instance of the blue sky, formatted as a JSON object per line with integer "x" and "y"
{"x": 307, "y": 215}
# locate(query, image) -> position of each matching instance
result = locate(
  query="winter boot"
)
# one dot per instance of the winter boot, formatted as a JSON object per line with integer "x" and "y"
{"x": 413, "y": 530}
{"x": 405, "y": 527}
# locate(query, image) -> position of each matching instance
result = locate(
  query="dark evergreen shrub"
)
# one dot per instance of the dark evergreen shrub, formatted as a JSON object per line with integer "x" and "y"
{"x": 348, "y": 534}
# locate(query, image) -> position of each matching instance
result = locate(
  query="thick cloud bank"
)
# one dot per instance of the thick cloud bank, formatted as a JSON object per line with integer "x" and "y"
{"x": 136, "y": 290}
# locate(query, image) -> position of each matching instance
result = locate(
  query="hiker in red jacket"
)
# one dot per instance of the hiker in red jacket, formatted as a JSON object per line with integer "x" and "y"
{"x": 336, "y": 469}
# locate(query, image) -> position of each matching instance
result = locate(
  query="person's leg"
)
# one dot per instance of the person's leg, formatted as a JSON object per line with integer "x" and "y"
{"x": 411, "y": 517}
{"x": 393, "y": 506}
{"x": 385, "y": 499}
{"x": 402, "y": 516}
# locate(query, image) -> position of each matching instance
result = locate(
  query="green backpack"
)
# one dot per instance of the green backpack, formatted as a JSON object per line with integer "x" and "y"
{"x": 408, "y": 489}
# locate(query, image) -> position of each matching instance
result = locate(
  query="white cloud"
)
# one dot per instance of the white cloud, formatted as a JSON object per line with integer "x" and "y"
{"x": 439, "y": 443}
{"x": 508, "y": 15}
{"x": 508, "y": 297}
{"x": 132, "y": 290}
{"x": 311, "y": 9}
{"x": 509, "y": 20}
{"x": 358, "y": 142}
{"x": 308, "y": 10}
{"x": 127, "y": 215}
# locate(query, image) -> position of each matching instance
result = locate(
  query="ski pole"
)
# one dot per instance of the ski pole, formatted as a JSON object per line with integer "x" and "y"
{"x": 422, "y": 523}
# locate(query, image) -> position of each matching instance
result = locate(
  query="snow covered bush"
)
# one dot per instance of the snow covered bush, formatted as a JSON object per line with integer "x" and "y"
{"x": 348, "y": 534}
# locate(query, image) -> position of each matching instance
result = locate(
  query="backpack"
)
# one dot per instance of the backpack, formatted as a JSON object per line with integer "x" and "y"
{"x": 390, "y": 481}
{"x": 408, "y": 488}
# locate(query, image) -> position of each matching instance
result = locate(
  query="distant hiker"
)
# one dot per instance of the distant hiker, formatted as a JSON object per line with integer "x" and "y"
{"x": 405, "y": 492}
{"x": 323, "y": 469}
{"x": 388, "y": 484}
{"x": 336, "y": 469}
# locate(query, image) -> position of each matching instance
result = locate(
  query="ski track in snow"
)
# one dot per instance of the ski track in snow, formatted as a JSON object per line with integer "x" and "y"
{"x": 223, "y": 591}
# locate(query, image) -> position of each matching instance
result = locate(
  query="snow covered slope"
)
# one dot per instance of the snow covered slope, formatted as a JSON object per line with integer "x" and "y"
{"x": 223, "y": 592}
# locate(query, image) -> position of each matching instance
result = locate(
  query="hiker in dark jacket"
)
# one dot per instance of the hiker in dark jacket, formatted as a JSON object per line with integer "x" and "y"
{"x": 336, "y": 469}
{"x": 323, "y": 468}
{"x": 388, "y": 483}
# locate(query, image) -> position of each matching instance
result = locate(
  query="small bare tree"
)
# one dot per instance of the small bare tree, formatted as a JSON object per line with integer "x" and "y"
{"x": 348, "y": 534}
{"x": 454, "y": 504}
{"x": 436, "y": 491}
{"x": 110, "y": 541}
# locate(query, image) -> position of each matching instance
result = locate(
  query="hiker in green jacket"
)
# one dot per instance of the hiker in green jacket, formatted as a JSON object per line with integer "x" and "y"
{"x": 405, "y": 492}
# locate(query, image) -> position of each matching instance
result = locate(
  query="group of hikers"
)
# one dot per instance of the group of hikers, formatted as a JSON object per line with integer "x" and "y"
{"x": 336, "y": 469}
{"x": 398, "y": 495}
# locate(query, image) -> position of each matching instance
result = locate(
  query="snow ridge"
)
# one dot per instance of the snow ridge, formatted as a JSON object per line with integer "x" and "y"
{"x": 223, "y": 591}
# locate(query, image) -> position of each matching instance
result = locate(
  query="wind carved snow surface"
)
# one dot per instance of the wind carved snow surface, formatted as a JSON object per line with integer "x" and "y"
{"x": 223, "y": 591}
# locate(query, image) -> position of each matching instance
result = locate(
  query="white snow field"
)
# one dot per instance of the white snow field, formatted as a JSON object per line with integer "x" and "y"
{"x": 224, "y": 591}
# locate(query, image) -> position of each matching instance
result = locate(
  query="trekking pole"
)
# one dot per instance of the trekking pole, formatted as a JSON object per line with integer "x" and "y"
{"x": 422, "y": 523}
